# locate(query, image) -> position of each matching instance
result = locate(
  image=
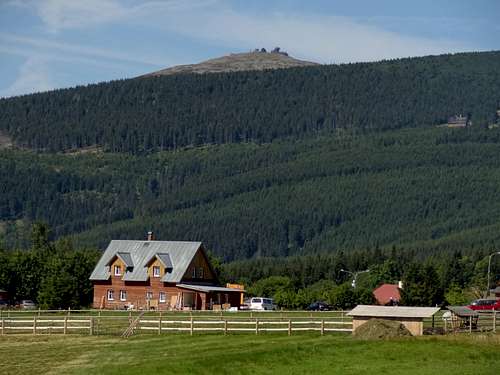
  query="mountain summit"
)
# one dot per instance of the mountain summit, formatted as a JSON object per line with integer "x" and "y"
{"x": 256, "y": 60}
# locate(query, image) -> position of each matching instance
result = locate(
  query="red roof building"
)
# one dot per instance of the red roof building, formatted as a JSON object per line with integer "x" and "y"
{"x": 387, "y": 294}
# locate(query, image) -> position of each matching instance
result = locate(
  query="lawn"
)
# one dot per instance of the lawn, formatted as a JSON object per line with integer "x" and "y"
{"x": 248, "y": 354}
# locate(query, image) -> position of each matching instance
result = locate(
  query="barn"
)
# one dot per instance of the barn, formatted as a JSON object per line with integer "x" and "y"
{"x": 411, "y": 317}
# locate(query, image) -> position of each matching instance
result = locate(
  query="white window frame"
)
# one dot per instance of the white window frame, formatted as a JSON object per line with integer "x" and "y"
{"x": 110, "y": 294}
{"x": 117, "y": 270}
{"x": 149, "y": 295}
{"x": 162, "y": 298}
{"x": 156, "y": 268}
{"x": 123, "y": 295}
{"x": 200, "y": 273}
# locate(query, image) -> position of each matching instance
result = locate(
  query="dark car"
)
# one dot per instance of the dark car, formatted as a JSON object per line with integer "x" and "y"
{"x": 3, "y": 304}
{"x": 485, "y": 304}
{"x": 319, "y": 306}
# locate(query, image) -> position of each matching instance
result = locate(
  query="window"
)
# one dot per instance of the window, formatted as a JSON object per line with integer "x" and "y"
{"x": 123, "y": 295}
{"x": 111, "y": 295}
{"x": 149, "y": 296}
{"x": 200, "y": 272}
{"x": 163, "y": 297}
{"x": 156, "y": 271}
{"x": 118, "y": 271}
{"x": 194, "y": 273}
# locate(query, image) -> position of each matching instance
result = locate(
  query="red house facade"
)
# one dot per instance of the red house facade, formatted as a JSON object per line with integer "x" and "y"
{"x": 160, "y": 275}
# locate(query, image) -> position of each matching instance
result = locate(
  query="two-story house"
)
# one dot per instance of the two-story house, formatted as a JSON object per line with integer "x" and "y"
{"x": 163, "y": 275}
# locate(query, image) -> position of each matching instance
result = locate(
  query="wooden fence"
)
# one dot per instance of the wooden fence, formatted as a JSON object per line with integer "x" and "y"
{"x": 116, "y": 323}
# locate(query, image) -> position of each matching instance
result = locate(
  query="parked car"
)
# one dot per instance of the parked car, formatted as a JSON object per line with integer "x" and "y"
{"x": 319, "y": 306}
{"x": 261, "y": 303}
{"x": 27, "y": 304}
{"x": 485, "y": 304}
{"x": 3, "y": 304}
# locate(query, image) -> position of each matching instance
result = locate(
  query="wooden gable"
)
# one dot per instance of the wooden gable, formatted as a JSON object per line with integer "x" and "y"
{"x": 199, "y": 269}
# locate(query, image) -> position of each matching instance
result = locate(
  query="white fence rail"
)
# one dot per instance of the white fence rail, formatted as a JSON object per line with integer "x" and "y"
{"x": 46, "y": 324}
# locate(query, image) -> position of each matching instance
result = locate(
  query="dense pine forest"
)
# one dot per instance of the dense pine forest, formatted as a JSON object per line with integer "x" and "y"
{"x": 287, "y": 176}
{"x": 171, "y": 112}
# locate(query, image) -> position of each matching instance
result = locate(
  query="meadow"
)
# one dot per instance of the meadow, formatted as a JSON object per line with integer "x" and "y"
{"x": 270, "y": 353}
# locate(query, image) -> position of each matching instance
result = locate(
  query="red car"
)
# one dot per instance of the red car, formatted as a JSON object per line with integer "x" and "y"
{"x": 485, "y": 304}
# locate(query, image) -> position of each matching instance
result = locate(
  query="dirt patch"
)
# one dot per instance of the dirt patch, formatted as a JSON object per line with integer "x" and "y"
{"x": 381, "y": 329}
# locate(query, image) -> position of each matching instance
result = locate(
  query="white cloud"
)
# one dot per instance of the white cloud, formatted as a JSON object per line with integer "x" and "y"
{"x": 321, "y": 38}
{"x": 44, "y": 45}
{"x": 33, "y": 76}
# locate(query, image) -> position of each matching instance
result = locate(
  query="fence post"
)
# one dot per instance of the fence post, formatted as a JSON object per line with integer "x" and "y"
{"x": 91, "y": 325}
{"x": 159, "y": 324}
{"x": 251, "y": 315}
{"x": 3, "y": 327}
{"x": 192, "y": 328}
{"x": 225, "y": 327}
{"x": 494, "y": 320}
{"x": 38, "y": 311}
{"x": 69, "y": 311}
{"x": 289, "y": 327}
{"x": 34, "y": 325}
{"x": 322, "y": 327}
{"x": 256, "y": 326}
{"x": 65, "y": 329}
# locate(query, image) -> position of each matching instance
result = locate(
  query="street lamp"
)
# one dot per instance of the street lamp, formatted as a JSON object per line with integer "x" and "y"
{"x": 489, "y": 271}
{"x": 354, "y": 275}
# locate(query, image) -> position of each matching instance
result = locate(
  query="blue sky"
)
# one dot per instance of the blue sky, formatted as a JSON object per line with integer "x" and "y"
{"x": 47, "y": 44}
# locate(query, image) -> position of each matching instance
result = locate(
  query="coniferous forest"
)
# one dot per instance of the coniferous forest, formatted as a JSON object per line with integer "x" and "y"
{"x": 295, "y": 172}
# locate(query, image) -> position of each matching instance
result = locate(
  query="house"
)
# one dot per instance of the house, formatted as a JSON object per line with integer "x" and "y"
{"x": 458, "y": 121}
{"x": 411, "y": 317}
{"x": 162, "y": 275}
{"x": 387, "y": 294}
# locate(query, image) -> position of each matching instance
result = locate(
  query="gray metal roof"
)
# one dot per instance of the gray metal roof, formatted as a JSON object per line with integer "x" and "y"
{"x": 462, "y": 311}
{"x": 180, "y": 253}
{"x": 164, "y": 258}
{"x": 126, "y": 258}
{"x": 208, "y": 288}
{"x": 393, "y": 311}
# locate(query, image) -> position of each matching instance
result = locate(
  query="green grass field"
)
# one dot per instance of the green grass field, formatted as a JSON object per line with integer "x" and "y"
{"x": 248, "y": 354}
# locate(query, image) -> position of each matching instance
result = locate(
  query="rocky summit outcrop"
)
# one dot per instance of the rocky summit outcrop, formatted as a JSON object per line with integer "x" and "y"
{"x": 256, "y": 60}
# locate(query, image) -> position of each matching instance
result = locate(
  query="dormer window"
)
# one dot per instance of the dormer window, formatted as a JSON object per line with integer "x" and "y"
{"x": 156, "y": 271}
{"x": 194, "y": 273}
{"x": 200, "y": 272}
{"x": 117, "y": 271}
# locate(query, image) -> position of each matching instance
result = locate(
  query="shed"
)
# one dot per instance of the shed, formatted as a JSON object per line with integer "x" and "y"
{"x": 461, "y": 317}
{"x": 411, "y": 317}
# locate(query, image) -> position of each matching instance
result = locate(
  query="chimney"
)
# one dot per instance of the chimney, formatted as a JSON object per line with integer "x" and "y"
{"x": 400, "y": 284}
{"x": 151, "y": 236}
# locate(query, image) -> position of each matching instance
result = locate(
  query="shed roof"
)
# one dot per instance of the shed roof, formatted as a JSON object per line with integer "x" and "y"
{"x": 180, "y": 253}
{"x": 462, "y": 311}
{"x": 393, "y": 311}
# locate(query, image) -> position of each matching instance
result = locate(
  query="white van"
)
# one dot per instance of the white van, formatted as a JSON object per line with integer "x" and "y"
{"x": 261, "y": 303}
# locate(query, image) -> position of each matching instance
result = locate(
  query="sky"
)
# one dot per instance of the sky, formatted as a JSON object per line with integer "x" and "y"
{"x": 49, "y": 44}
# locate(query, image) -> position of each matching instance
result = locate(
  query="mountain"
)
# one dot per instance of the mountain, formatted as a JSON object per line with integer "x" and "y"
{"x": 188, "y": 110}
{"x": 237, "y": 62}
{"x": 263, "y": 163}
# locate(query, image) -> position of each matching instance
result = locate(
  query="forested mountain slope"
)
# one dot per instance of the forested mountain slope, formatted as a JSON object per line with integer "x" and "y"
{"x": 429, "y": 189}
{"x": 169, "y": 112}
